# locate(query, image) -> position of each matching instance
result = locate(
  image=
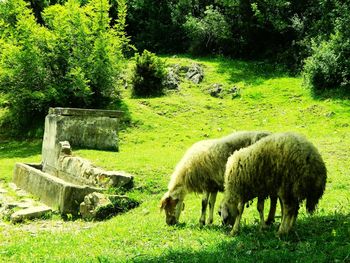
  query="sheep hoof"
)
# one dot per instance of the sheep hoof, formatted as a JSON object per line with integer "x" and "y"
{"x": 201, "y": 223}
{"x": 234, "y": 232}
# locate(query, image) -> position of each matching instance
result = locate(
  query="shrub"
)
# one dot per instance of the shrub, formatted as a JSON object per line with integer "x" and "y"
{"x": 321, "y": 69}
{"x": 148, "y": 76}
{"x": 72, "y": 60}
{"x": 328, "y": 67}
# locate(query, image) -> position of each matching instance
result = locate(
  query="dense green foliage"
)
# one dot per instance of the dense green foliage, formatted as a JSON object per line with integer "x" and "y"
{"x": 72, "y": 60}
{"x": 148, "y": 75}
{"x": 329, "y": 67}
{"x": 279, "y": 30}
{"x": 161, "y": 130}
{"x": 74, "y": 50}
{"x": 207, "y": 33}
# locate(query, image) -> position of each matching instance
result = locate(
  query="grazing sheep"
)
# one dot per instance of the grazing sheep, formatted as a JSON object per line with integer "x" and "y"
{"x": 201, "y": 170}
{"x": 283, "y": 164}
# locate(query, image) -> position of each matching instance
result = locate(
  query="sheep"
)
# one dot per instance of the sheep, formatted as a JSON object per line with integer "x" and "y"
{"x": 284, "y": 165}
{"x": 201, "y": 170}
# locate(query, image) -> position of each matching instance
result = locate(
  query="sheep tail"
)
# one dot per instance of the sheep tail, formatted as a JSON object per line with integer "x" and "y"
{"x": 315, "y": 193}
{"x": 311, "y": 204}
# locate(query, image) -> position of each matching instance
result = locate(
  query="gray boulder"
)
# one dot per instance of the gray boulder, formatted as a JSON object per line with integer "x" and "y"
{"x": 195, "y": 73}
{"x": 216, "y": 91}
{"x": 172, "y": 80}
{"x": 235, "y": 92}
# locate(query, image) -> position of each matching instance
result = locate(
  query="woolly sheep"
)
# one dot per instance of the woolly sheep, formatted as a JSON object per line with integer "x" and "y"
{"x": 201, "y": 170}
{"x": 283, "y": 164}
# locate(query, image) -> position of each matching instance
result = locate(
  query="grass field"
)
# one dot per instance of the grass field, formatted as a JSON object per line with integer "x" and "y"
{"x": 160, "y": 130}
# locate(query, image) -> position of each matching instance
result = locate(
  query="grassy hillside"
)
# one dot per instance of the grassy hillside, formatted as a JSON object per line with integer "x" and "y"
{"x": 160, "y": 131}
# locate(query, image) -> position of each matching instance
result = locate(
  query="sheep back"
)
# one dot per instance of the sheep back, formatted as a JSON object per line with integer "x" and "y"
{"x": 202, "y": 167}
{"x": 284, "y": 163}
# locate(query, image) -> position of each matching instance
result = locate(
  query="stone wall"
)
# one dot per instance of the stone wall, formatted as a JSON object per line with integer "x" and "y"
{"x": 63, "y": 180}
{"x": 86, "y": 128}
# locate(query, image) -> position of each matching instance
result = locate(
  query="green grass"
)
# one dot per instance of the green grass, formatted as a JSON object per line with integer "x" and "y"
{"x": 160, "y": 131}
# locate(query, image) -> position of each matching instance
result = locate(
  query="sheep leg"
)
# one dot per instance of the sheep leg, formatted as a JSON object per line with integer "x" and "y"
{"x": 288, "y": 218}
{"x": 281, "y": 229}
{"x": 212, "y": 199}
{"x": 204, "y": 208}
{"x": 235, "y": 228}
{"x": 261, "y": 213}
{"x": 294, "y": 215}
{"x": 281, "y": 203}
{"x": 271, "y": 217}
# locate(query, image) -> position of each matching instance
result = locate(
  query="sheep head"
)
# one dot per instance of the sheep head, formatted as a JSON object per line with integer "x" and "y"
{"x": 172, "y": 208}
{"x": 228, "y": 213}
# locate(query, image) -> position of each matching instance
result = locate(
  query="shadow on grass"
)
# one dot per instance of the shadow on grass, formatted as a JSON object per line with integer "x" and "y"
{"x": 249, "y": 72}
{"x": 22, "y": 149}
{"x": 314, "y": 239}
{"x": 339, "y": 93}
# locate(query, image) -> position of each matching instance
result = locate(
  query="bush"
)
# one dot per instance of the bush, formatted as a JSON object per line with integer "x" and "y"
{"x": 328, "y": 67}
{"x": 148, "y": 76}
{"x": 321, "y": 69}
{"x": 72, "y": 60}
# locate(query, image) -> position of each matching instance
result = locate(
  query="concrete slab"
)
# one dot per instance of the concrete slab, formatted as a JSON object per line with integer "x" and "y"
{"x": 29, "y": 213}
{"x": 52, "y": 191}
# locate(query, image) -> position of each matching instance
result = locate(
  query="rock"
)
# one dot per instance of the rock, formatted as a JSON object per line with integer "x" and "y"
{"x": 92, "y": 203}
{"x": 97, "y": 206}
{"x": 82, "y": 171}
{"x": 172, "y": 80}
{"x": 30, "y": 213}
{"x": 116, "y": 179}
{"x": 195, "y": 73}
{"x": 216, "y": 90}
{"x": 64, "y": 148}
{"x": 235, "y": 91}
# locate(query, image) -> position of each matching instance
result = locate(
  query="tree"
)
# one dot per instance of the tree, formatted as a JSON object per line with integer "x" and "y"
{"x": 72, "y": 60}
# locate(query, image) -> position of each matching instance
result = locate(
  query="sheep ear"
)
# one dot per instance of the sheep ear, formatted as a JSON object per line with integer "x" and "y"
{"x": 168, "y": 201}
{"x": 164, "y": 201}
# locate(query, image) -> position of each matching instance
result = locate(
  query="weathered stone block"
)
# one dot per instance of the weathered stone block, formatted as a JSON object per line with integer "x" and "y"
{"x": 30, "y": 213}
{"x": 87, "y": 128}
{"x": 97, "y": 206}
{"x": 81, "y": 171}
{"x": 53, "y": 191}
{"x": 93, "y": 203}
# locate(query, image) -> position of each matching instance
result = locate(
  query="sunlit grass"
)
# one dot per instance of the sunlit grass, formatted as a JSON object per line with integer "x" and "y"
{"x": 161, "y": 129}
